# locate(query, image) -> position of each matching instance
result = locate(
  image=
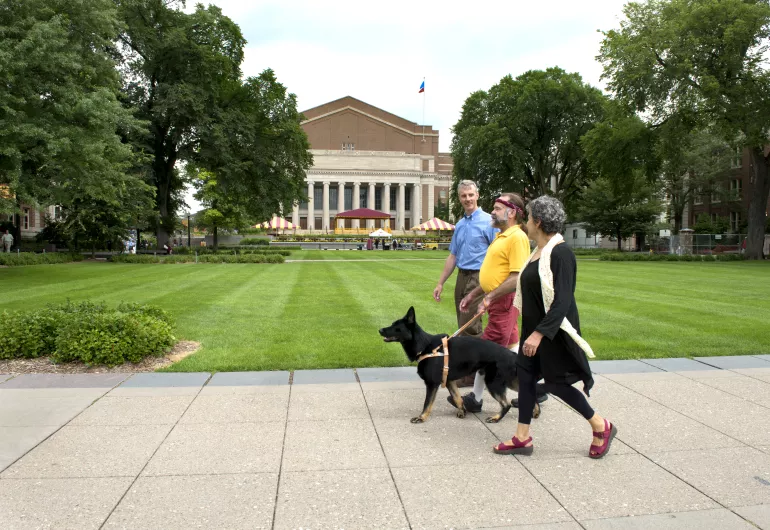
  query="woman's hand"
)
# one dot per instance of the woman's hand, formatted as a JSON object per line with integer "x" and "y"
{"x": 532, "y": 344}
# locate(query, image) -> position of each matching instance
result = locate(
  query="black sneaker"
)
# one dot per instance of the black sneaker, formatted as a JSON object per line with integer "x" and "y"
{"x": 469, "y": 400}
{"x": 540, "y": 399}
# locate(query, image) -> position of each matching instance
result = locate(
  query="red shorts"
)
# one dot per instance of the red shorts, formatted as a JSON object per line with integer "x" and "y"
{"x": 502, "y": 326}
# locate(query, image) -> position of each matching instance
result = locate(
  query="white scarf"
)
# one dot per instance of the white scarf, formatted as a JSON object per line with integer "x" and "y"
{"x": 546, "y": 284}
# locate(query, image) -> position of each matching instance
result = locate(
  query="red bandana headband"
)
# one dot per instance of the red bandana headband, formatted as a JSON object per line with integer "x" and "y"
{"x": 510, "y": 205}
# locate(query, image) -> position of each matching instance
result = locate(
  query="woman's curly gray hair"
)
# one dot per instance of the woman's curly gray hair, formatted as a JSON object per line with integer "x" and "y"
{"x": 549, "y": 211}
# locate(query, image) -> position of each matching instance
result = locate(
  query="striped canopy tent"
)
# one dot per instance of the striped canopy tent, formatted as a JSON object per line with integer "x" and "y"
{"x": 434, "y": 224}
{"x": 277, "y": 223}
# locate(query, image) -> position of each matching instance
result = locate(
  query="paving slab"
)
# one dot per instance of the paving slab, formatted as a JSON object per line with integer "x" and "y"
{"x": 699, "y": 375}
{"x": 730, "y": 363}
{"x": 753, "y": 372}
{"x": 204, "y": 501}
{"x": 679, "y": 364}
{"x": 327, "y": 406}
{"x": 621, "y": 367}
{"x": 735, "y": 477}
{"x": 545, "y": 526}
{"x": 751, "y": 389}
{"x": 325, "y": 445}
{"x": 559, "y": 432}
{"x": 90, "y": 451}
{"x": 27, "y": 411}
{"x": 615, "y": 486}
{"x": 608, "y": 394}
{"x": 744, "y": 421}
{"x": 209, "y": 448}
{"x": 386, "y": 375}
{"x": 362, "y": 498}
{"x": 74, "y": 503}
{"x": 476, "y": 498}
{"x": 237, "y": 408}
{"x": 764, "y": 357}
{"x": 249, "y": 378}
{"x": 438, "y": 441}
{"x": 15, "y": 442}
{"x": 759, "y": 515}
{"x": 139, "y": 410}
{"x": 161, "y": 384}
{"x": 323, "y": 377}
{"x": 684, "y": 392}
{"x": 718, "y": 519}
{"x": 325, "y": 388}
{"x": 5, "y": 377}
{"x": 65, "y": 381}
{"x": 657, "y": 429}
{"x": 403, "y": 404}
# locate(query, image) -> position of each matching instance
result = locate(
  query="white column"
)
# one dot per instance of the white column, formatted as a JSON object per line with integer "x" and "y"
{"x": 401, "y": 206}
{"x": 325, "y": 219}
{"x": 340, "y": 200}
{"x": 386, "y": 200}
{"x": 356, "y": 202}
{"x": 417, "y": 205}
{"x": 295, "y": 214}
{"x": 431, "y": 201}
{"x": 310, "y": 212}
{"x": 370, "y": 204}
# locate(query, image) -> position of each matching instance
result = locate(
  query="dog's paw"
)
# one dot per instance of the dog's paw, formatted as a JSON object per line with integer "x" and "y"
{"x": 493, "y": 419}
{"x": 417, "y": 420}
{"x": 460, "y": 413}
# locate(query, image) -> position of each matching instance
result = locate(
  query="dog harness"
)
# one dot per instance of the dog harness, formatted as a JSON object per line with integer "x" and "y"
{"x": 437, "y": 353}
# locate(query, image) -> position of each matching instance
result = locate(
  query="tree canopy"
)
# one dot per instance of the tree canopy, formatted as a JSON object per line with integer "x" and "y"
{"x": 700, "y": 63}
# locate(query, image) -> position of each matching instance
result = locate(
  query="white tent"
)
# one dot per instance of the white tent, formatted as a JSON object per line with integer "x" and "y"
{"x": 380, "y": 233}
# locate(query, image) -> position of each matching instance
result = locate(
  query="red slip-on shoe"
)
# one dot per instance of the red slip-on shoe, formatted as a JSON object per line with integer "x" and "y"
{"x": 518, "y": 447}
{"x": 598, "y": 451}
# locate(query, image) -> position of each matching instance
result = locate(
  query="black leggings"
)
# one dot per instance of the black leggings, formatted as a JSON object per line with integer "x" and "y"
{"x": 567, "y": 393}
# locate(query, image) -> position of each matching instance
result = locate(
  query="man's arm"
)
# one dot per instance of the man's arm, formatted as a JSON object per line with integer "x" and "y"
{"x": 507, "y": 287}
{"x": 449, "y": 267}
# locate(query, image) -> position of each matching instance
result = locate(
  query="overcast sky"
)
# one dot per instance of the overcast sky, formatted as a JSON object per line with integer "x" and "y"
{"x": 322, "y": 50}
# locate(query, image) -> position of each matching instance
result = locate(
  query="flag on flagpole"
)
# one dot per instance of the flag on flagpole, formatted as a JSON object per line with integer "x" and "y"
{"x": 422, "y": 88}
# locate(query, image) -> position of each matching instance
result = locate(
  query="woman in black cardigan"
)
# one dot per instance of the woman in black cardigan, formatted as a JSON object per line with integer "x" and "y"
{"x": 551, "y": 345}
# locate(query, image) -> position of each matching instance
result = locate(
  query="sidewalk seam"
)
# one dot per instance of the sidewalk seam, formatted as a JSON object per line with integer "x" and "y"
{"x": 283, "y": 450}
{"x": 155, "y": 451}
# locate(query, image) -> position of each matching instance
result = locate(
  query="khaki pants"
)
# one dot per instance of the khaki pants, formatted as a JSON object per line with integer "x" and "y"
{"x": 466, "y": 282}
{"x": 6, "y": 246}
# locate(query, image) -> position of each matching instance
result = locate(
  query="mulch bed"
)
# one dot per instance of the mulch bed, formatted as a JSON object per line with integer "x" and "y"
{"x": 43, "y": 365}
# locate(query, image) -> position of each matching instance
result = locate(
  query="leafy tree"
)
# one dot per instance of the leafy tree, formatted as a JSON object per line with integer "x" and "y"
{"x": 61, "y": 124}
{"x": 705, "y": 225}
{"x": 620, "y": 213}
{"x": 221, "y": 210}
{"x": 441, "y": 210}
{"x": 525, "y": 134}
{"x": 700, "y": 63}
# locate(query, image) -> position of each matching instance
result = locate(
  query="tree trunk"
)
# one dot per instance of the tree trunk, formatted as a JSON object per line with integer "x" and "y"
{"x": 620, "y": 242}
{"x": 759, "y": 188}
{"x": 216, "y": 239}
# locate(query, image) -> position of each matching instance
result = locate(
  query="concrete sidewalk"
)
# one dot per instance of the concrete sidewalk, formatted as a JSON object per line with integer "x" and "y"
{"x": 336, "y": 450}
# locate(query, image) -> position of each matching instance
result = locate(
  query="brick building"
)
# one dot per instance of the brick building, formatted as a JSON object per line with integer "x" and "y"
{"x": 366, "y": 157}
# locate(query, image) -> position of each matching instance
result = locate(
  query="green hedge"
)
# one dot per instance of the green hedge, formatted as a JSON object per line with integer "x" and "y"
{"x": 206, "y": 258}
{"x": 255, "y": 241}
{"x": 618, "y": 256}
{"x": 284, "y": 251}
{"x": 28, "y": 258}
{"x": 88, "y": 332}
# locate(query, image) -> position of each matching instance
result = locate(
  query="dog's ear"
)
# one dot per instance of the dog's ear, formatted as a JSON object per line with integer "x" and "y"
{"x": 410, "y": 316}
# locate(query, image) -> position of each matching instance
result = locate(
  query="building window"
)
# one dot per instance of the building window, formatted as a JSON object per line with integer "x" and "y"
{"x": 363, "y": 195}
{"x": 698, "y": 197}
{"x": 393, "y": 198}
{"x": 318, "y": 196}
{"x": 348, "y": 198}
{"x": 442, "y": 194}
{"x": 25, "y": 221}
{"x": 716, "y": 195}
{"x": 378, "y": 199}
{"x": 58, "y": 213}
{"x": 348, "y": 147}
{"x": 735, "y": 222}
{"x": 737, "y": 160}
{"x": 574, "y": 233}
{"x": 714, "y": 218}
{"x": 319, "y": 223}
{"x": 736, "y": 187}
{"x": 333, "y": 198}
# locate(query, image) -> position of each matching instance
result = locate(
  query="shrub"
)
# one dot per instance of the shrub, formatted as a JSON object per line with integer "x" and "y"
{"x": 30, "y": 258}
{"x": 255, "y": 241}
{"x": 206, "y": 258}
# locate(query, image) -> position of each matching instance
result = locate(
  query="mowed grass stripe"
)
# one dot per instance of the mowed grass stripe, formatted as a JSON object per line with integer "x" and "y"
{"x": 237, "y": 327}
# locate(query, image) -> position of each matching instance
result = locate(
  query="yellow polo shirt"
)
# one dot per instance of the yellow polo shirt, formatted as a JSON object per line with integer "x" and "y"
{"x": 505, "y": 255}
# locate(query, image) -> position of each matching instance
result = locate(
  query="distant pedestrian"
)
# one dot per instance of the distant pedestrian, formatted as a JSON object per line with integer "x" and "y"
{"x": 7, "y": 241}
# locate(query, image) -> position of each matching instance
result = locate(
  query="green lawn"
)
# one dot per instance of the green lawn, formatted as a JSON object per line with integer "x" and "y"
{"x": 316, "y": 314}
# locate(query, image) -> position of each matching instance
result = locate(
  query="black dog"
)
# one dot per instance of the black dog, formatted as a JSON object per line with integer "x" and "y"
{"x": 467, "y": 355}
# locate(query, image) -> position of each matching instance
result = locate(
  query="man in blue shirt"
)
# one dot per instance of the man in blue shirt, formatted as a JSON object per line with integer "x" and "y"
{"x": 473, "y": 234}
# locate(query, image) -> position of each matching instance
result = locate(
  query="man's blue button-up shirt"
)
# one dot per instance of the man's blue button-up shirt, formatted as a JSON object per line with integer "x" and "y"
{"x": 473, "y": 234}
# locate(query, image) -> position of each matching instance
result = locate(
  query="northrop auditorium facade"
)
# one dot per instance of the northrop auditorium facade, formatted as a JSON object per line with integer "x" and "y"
{"x": 365, "y": 157}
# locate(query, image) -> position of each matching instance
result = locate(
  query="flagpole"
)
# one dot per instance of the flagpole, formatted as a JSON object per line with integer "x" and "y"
{"x": 423, "y": 112}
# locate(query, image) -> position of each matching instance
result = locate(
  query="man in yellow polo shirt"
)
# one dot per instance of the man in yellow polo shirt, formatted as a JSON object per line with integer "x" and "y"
{"x": 497, "y": 280}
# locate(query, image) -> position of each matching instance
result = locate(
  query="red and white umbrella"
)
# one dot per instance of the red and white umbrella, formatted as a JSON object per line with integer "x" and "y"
{"x": 278, "y": 223}
{"x": 434, "y": 224}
